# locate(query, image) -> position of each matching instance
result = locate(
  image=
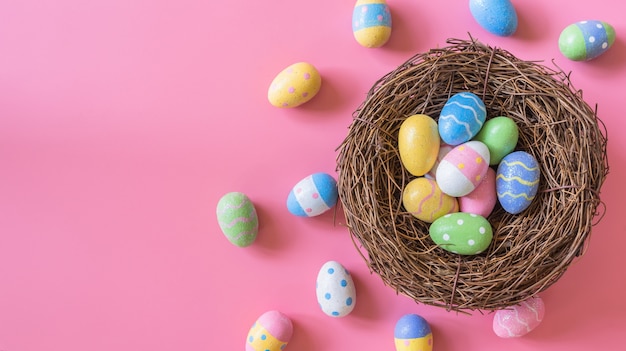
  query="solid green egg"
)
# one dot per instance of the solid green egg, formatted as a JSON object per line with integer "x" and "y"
{"x": 500, "y": 134}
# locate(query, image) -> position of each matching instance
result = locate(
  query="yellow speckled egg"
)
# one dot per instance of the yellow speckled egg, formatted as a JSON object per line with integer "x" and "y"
{"x": 418, "y": 144}
{"x": 294, "y": 85}
{"x": 423, "y": 198}
{"x": 371, "y": 23}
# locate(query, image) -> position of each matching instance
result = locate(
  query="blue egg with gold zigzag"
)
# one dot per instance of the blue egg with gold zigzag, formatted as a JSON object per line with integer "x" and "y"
{"x": 517, "y": 181}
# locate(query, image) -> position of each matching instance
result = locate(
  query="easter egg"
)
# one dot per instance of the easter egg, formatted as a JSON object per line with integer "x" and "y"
{"x": 462, "y": 233}
{"x": 237, "y": 218}
{"x": 418, "y": 144}
{"x": 412, "y": 333}
{"x": 495, "y": 16}
{"x": 517, "y": 181}
{"x": 500, "y": 134}
{"x": 313, "y": 195}
{"x": 519, "y": 320}
{"x": 586, "y": 40}
{"x": 463, "y": 168}
{"x": 423, "y": 198}
{"x": 270, "y": 332}
{"x": 294, "y": 85}
{"x": 371, "y": 23}
{"x": 461, "y": 118}
{"x": 335, "y": 291}
{"x": 443, "y": 151}
{"x": 483, "y": 199}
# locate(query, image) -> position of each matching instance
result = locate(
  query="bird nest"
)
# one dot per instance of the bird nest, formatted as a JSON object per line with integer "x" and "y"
{"x": 530, "y": 251}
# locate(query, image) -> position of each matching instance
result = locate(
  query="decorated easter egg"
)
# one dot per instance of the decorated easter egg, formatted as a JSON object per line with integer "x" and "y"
{"x": 371, "y": 23}
{"x": 294, "y": 85}
{"x": 495, "y": 16}
{"x": 462, "y": 233}
{"x": 412, "y": 333}
{"x": 519, "y": 320}
{"x": 313, "y": 195}
{"x": 517, "y": 181}
{"x": 335, "y": 291}
{"x": 483, "y": 199}
{"x": 500, "y": 134}
{"x": 237, "y": 218}
{"x": 586, "y": 40}
{"x": 418, "y": 144}
{"x": 423, "y": 198}
{"x": 463, "y": 168}
{"x": 443, "y": 151}
{"x": 461, "y": 118}
{"x": 270, "y": 332}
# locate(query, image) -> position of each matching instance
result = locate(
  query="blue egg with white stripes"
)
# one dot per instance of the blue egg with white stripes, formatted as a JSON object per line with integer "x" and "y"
{"x": 313, "y": 195}
{"x": 335, "y": 290}
{"x": 517, "y": 181}
{"x": 461, "y": 118}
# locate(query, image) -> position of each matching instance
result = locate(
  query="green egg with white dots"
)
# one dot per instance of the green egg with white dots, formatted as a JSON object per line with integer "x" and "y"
{"x": 462, "y": 233}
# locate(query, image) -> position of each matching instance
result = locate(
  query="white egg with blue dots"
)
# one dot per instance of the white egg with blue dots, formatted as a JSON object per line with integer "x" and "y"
{"x": 335, "y": 290}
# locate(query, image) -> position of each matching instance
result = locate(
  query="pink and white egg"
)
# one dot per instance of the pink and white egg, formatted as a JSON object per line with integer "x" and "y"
{"x": 463, "y": 168}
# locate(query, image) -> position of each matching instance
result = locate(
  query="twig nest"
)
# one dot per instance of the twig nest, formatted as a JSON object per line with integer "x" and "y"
{"x": 529, "y": 251}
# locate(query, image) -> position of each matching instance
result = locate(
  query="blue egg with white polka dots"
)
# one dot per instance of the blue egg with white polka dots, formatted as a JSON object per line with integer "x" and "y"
{"x": 313, "y": 195}
{"x": 336, "y": 294}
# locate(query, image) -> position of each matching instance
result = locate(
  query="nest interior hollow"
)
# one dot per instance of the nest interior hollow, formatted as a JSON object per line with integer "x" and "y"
{"x": 530, "y": 251}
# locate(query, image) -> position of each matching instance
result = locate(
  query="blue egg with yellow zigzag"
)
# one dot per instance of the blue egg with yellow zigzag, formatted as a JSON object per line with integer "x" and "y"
{"x": 517, "y": 181}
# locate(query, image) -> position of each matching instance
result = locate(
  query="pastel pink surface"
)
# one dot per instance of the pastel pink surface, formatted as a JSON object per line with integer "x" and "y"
{"x": 519, "y": 320}
{"x": 277, "y": 324}
{"x": 483, "y": 199}
{"x": 123, "y": 122}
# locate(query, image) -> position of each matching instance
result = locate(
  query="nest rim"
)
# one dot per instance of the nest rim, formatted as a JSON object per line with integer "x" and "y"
{"x": 530, "y": 251}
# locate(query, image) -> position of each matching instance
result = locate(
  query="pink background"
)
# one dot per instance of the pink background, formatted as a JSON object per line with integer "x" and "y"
{"x": 122, "y": 122}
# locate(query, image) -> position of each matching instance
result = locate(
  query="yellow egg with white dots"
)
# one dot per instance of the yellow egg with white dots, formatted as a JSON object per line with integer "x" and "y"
{"x": 294, "y": 85}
